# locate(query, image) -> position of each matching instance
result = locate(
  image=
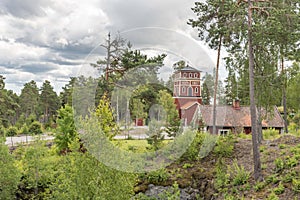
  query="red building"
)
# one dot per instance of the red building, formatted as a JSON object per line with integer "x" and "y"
{"x": 187, "y": 92}
{"x": 187, "y": 95}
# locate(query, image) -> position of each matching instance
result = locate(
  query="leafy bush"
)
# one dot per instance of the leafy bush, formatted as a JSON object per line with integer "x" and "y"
{"x": 208, "y": 144}
{"x": 238, "y": 174}
{"x": 24, "y": 130}
{"x": 291, "y": 161}
{"x": 270, "y": 134}
{"x": 259, "y": 186}
{"x": 9, "y": 174}
{"x": 35, "y": 128}
{"x": 296, "y": 185}
{"x": 272, "y": 196}
{"x": 279, "y": 164}
{"x": 193, "y": 150}
{"x": 11, "y": 131}
{"x": 2, "y": 131}
{"x": 225, "y": 146}
{"x": 157, "y": 176}
{"x": 279, "y": 190}
{"x": 222, "y": 178}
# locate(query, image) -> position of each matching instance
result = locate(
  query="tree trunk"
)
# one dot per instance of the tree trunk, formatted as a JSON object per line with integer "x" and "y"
{"x": 284, "y": 97}
{"x": 216, "y": 87}
{"x": 259, "y": 126}
{"x": 256, "y": 154}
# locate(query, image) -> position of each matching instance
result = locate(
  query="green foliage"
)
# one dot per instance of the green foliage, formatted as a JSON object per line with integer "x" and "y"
{"x": 172, "y": 193}
{"x": 172, "y": 116}
{"x": 192, "y": 152}
{"x": 225, "y": 145}
{"x": 270, "y": 134}
{"x": 11, "y": 131}
{"x": 35, "y": 128}
{"x": 187, "y": 165}
{"x": 66, "y": 130}
{"x": 279, "y": 164}
{"x": 238, "y": 174}
{"x": 259, "y": 186}
{"x": 296, "y": 185}
{"x": 208, "y": 144}
{"x": 24, "y": 130}
{"x": 81, "y": 176}
{"x": 291, "y": 161}
{"x": 157, "y": 176}
{"x": 105, "y": 118}
{"x": 222, "y": 178}
{"x": 2, "y": 131}
{"x": 280, "y": 189}
{"x": 9, "y": 174}
{"x": 272, "y": 196}
{"x": 155, "y": 138}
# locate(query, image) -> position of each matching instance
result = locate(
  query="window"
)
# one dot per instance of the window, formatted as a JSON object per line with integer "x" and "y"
{"x": 191, "y": 75}
{"x": 196, "y": 90}
{"x": 183, "y": 89}
{"x": 223, "y": 132}
{"x": 184, "y": 75}
{"x": 195, "y": 75}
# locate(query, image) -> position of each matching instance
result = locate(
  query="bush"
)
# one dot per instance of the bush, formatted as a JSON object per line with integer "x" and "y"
{"x": 193, "y": 150}
{"x": 35, "y": 128}
{"x": 238, "y": 174}
{"x": 24, "y": 130}
{"x": 270, "y": 134}
{"x": 279, "y": 164}
{"x": 296, "y": 185}
{"x": 2, "y": 131}
{"x": 157, "y": 176}
{"x": 224, "y": 146}
{"x": 279, "y": 189}
{"x": 11, "y": 131}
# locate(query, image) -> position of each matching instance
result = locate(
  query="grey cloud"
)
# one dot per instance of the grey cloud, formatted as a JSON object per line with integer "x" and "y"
{"x": 25, "y": 8}
{"x": 37, "y": 68}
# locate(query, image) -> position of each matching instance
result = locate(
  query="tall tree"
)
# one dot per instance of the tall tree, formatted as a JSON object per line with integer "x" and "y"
{"x": 66, "y": 95}
{"x": 48, "y": 100}
{"x": 213, "y": 23}
{"x": 29, "y": 98}
{"x": 207, "y": 89}
{"x": 172, "y": 116}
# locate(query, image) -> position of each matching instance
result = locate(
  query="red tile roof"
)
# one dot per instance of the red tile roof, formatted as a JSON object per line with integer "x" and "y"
{"x": 227, "y": 116}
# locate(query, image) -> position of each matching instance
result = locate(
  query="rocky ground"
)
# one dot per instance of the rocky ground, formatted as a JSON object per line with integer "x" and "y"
{"x": 196, "y": 180}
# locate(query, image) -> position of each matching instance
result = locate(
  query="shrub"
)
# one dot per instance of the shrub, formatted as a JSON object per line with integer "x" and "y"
{"x": 222, "y": 178}
{"x": 259, "y": 186}
{"x": 291, "y": 162}
{"x": 193, "y": 150}
{"x": 270, "y": 134}
{"x": 272, "y": 196}
{"x": 35, "y": 128}
{"x": 24, "y": 130}
{"x": 11, "y": 131}
{"x": 238, "y": 174}
{"x": 296, "y": 185}
{"x": 279, "y": 164}
{"x": 279, "y": 189}
{"x": 2, "y": 131}
{"x": 224, "y": 147}
{"x": 157, "y": 176}
{"x": 208, "y": 144}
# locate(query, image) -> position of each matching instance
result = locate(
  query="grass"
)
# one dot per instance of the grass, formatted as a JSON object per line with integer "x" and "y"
{"x": 137, "y": 146}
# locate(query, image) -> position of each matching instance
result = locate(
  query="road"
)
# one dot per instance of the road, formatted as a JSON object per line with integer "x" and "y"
{"x": 10, "y": 141}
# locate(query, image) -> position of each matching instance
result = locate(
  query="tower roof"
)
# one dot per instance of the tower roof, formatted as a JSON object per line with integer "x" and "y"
{"x": 188, "y": 68}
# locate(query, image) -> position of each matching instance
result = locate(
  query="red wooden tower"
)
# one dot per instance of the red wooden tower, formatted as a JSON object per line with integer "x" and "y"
{"x": 187, "y": 92}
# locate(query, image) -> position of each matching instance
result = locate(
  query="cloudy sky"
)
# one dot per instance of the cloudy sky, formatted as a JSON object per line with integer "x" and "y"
{"x": 54, "y": 39}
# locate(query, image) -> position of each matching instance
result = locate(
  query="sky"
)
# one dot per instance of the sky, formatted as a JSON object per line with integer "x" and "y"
{"x": 56, "y": 39}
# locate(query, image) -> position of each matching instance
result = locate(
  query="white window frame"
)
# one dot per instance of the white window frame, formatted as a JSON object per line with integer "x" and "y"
{"x": 223, "y": 132}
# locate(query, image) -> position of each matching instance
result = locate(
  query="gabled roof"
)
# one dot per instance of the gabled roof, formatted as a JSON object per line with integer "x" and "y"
{"x": 227, "y": 116}
{"x": 188, "y": 105}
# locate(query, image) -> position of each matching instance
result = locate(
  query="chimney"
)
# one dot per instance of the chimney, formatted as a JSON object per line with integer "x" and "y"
{"x": 236, "y": 104}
